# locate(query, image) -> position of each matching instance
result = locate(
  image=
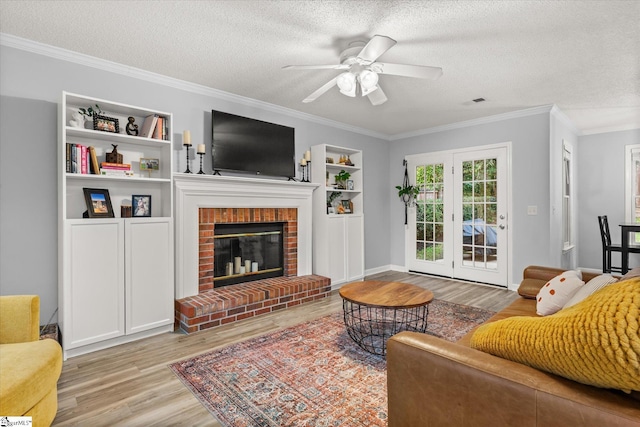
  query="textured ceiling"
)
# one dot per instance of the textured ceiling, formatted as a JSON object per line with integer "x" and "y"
{"x": 583, "y": 56}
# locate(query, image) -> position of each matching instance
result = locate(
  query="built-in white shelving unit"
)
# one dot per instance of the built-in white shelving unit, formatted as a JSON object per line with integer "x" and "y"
{"x": 338, "y": 235}
{"x": 116, "y": 280}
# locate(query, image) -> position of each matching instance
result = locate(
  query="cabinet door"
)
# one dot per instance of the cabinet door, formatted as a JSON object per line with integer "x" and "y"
{"x": 149, "y": 273}
{"x": 336, "y": 250}
{"x": 94, "y": 290}
{"x": 355, "y": 247}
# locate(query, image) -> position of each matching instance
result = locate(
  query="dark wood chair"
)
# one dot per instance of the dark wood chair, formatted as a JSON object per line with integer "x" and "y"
{"x": 607, "y": 246}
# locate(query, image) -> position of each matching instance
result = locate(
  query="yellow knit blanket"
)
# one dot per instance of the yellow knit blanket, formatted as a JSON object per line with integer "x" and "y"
{"x": 595, "y": 342}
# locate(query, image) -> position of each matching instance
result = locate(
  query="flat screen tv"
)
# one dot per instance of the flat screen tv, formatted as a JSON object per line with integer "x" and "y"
{"x": 248, "y": 145}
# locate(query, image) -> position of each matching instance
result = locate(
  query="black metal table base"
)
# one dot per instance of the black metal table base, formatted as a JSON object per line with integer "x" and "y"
{"x": 371, "y": 327}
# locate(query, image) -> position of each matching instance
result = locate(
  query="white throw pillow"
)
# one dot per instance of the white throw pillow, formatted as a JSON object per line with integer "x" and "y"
{"x": 592, "y": 285}
{"x": 557, "y": 291}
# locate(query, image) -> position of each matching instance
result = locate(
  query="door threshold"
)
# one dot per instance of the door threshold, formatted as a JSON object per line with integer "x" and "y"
{"x": 455, "y": 279}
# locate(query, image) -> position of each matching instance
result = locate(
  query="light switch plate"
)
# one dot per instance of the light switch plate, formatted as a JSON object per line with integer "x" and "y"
{"x": 532, "y": 210}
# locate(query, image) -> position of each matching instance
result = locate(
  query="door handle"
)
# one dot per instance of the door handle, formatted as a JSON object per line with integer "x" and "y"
{"x": 501, "y": 227}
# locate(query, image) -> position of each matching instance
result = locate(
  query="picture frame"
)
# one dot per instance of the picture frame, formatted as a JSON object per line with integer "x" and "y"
{"x": 148, "y": 164}
{"x": 347, "y": 205}
{"x": 106, "y": 124}
{"x": 350, "y": 185}
{"x": 98, "y": 203}
{"x": 141, "y": 204}
{"x": 331, "y": 210}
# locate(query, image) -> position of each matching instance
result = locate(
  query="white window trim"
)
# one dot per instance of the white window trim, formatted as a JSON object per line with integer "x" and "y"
{"x": 567, "y": 151}
{"x": 629, "y": 175}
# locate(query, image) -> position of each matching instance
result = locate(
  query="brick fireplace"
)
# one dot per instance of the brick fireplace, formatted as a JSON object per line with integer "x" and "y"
{"x": 210, "y": 217}
{"x": 204, "y": 201}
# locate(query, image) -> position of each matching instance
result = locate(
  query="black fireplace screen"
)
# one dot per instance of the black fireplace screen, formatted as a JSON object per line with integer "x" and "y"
{"x": 247, "y": 252}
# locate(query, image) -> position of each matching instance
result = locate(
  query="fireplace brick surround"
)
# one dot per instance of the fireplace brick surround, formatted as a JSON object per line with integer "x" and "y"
{"x": 209, "y": 217}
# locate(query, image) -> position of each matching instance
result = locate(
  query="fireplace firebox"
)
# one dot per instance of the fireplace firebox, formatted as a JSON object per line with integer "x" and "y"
{"x": 247, "y": 251}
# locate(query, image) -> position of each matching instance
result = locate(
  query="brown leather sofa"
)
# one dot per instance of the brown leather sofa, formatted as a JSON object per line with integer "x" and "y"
{"x": 434, "y": 382}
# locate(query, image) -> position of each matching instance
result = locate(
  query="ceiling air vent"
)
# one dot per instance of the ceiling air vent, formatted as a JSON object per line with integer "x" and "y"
{"x": 479, "y": 100}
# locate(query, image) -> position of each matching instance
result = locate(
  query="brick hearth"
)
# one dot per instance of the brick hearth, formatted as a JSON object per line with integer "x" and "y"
{"x": 231, "y": 303}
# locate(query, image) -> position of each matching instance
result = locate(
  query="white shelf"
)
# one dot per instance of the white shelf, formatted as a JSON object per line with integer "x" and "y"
{"x": 113, "y": 138}
{"x": 91, "y": 177}
{"x": 131, "y": 296}
{"x": 338, "y": 239}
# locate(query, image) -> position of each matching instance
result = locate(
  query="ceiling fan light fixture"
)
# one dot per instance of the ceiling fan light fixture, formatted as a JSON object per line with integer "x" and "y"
{"x": 368, "y": 80}
{"x": 347, "y": 84}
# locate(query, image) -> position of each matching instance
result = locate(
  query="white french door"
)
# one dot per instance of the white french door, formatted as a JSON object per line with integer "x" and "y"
{"x": 458, "y": 226}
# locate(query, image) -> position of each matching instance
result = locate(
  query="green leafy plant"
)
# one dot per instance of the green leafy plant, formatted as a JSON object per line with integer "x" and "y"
{"x": 341, "y": 178}
{"x": 408, "y": 193}
{"x": 90, "y": 112}
{"x": 332, "y": 196}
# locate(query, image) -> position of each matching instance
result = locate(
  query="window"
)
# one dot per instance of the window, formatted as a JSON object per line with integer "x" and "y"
{"x": 632, "y": 186}
{"x": 567, "y": 191}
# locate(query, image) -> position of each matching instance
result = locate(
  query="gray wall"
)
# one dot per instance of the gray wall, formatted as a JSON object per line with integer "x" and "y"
{"x": 31, "y": 85}
{"x": 530, "y": 182}
{"x": 601, "y": 172}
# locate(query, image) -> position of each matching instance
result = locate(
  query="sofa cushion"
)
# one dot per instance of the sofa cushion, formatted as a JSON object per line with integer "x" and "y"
{"x": 557, "y": 291}
{"x": 594, "y": 342}
{"x": 592, "y": 285}
{"x": 28, "y": 372}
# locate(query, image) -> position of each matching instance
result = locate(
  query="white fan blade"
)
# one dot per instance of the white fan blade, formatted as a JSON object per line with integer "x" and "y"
{"x": 331, "y": 83}
{"x": 377, "y": 97}
{"x": 316, "y": 67}
{"x": 419, "y": 71}
{"x": 376, "y": 47}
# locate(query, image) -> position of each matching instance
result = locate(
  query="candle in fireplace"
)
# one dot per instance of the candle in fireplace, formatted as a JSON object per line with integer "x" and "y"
{"x": 236, "y": 265}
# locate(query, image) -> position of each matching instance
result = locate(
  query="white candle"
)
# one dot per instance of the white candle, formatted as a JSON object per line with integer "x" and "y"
{"x": 186, "y": 137}
{"x": 254, "y": 266}
{"x": 236, "y": 265}
{"x": 247, "y": 265}
{"x": 242, "y": 269}
{"x": 303, "y": 162}
{"x": 307, "y": 155}
{"x": 201, "y": 149}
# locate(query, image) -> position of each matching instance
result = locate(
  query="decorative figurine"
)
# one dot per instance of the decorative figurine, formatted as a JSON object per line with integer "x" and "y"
{"x": 114, "y": 156}
{"x": 132, "y": 128}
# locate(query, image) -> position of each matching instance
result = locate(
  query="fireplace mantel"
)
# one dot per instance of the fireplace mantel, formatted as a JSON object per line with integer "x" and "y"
{"x": 193, "y": 192}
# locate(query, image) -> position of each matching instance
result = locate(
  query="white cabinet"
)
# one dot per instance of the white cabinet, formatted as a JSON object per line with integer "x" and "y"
{"x": 338, "y": 234}
{"x": 116, "y": 281}
{"x": 149, "y": 274}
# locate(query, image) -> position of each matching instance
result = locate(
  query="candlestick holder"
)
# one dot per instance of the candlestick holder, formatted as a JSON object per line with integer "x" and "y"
{"x": 304, "y": 168}
{"x": 308, "y": 170}
{"x": 201, "y": 171}
{"x": 188, "y": 170}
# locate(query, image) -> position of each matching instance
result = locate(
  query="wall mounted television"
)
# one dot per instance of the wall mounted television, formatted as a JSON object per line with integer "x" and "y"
{"x": 241, "y": 144}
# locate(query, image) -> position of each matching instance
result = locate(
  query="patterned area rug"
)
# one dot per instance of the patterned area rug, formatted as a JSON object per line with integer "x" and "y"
{"x": 310, "y": 374}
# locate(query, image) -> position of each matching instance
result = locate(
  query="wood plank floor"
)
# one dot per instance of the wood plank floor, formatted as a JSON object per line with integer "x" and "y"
{"x": 131, "y": 385}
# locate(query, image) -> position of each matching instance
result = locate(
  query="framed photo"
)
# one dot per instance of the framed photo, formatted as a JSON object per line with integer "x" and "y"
{"x": 347, "y": 206}
{"x": 105, "y": 124}
{"x": 350, "y": 184}
{"x": 149, "y": 164}
{"x": 98, "y": 203}
{"x": 141, "y": 205}
{"x": 331, "y": 210}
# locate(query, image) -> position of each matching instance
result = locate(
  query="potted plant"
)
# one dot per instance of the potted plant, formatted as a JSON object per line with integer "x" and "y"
{"x": 86, "y": 114}
{"x": 408, "y": 193}
{"x": 331, "y": 198}
{"x": 341, "y": 179}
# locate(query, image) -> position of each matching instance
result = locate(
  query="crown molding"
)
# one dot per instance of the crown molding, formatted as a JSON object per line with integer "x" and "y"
{"x": 543, "y": 109}
{"x": 560, "y": 115}
{"x": 148, "y": 76}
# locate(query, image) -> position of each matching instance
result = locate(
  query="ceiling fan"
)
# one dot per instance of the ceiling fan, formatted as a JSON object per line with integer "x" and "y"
{"x": 362, "y": 70}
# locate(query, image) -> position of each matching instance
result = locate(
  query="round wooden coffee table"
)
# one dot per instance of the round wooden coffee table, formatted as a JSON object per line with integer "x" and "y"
{"x": 374, "y": 311}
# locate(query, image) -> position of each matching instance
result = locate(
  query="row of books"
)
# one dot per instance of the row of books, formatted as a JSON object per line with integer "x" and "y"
{"x": 83, "y": 160}
{"x": 155, "y": 126}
